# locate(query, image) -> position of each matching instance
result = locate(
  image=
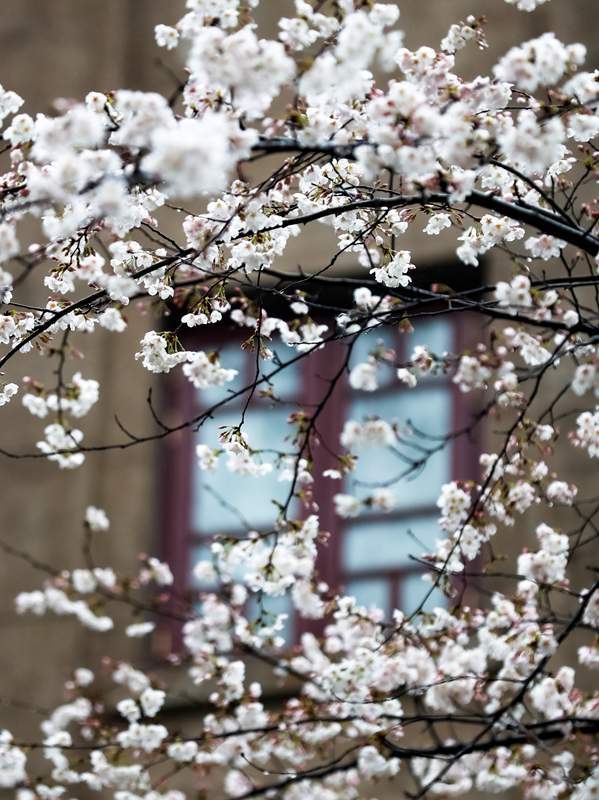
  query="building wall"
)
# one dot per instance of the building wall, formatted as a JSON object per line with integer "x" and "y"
{"x": 64, "y": 48}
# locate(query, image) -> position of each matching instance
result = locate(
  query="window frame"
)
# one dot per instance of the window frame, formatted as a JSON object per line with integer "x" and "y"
{"x": 176, "y": 466}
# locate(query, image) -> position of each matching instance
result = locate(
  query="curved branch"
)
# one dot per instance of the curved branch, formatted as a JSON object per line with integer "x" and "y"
{"x": 528, "y": 215}
{"x": 531, "y": 733}
{"x": 544, "y": 221}
{"x": 85, "y": 302}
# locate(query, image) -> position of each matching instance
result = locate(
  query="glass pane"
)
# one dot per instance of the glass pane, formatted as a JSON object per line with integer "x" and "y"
{"x": 428, "y": 407}
{"x": 434, "y": 334}
{"x": 226, "y": 501}
{"x": 413, "y": 590}
{"x": 286, "y": 384}
{"x": 387, "y": 544}
{"x": 200, "y": 552}
{"x": 370, "y": 592}
{"x": 266, "y": 608}
{"x": 429, "y": 410}
{"x": 371, "y": 340}
{"x": 231, "y": 356}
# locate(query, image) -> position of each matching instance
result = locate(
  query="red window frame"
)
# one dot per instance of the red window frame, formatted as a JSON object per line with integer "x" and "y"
{"x": 178, "y": 454}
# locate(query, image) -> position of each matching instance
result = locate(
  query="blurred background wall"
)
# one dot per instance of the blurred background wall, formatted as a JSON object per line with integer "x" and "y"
{"x": 50, "y": 49}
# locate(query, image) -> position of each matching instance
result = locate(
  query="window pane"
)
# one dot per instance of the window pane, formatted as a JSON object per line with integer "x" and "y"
{"x": 226, "y": 501}
{"x": 266, "y": 608}
{"x": 413, "y": 590}
{"x": 429, "y": 410}
{"x": 231, "y": 357}
{"x": 370, "y": 340}
{"x": 200, "y": 552}
{"x": 370, "y": 592}
{"x": 427, "y": 407}
{"x": 434, "y": 334}
{"x": 286, "y": 384}
{"x": 387, "y": 544}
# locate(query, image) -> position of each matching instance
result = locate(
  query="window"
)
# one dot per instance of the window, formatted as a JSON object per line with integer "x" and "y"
{"x": 370, "y": 556}
{"x": 374, "y": 549}
{"x": 215, "y": 508}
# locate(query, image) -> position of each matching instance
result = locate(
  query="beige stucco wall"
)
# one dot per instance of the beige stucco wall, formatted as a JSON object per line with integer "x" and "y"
{"x": 65, "y": 48}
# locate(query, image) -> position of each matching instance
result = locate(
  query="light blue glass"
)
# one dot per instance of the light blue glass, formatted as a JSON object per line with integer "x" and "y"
{"x": 427, "y": 407}
{"x": 371, "y": 593}
{"x": 413, "y": 590}
{"x": 436, "y": 334}
{"x": 200, "y": 552}
{"x": 231, "y": 356}
{"x": 228, "y": 502}
{"x": 268, "y": 607}
{"x": 286, "y": 384}
{"x": 371, "y": 339}
{"x": 429, "y": 410}
{"x": 387, "y": 544}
